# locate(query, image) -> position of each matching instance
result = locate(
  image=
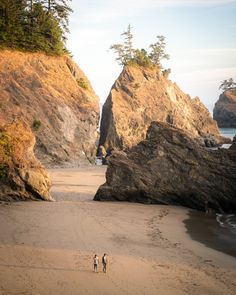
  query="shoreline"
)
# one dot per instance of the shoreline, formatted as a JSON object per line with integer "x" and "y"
{"x": 47, "y": 247}
{"x": 205, "y": 229}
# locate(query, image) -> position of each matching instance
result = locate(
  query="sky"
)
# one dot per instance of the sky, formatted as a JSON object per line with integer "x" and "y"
{"x": 200, "y": 39}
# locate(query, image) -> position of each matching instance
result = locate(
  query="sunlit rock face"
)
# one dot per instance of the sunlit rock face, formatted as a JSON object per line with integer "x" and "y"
{"x": 169, "y": 167}
{"x": 57, "y": 101}
{"x": 142, "y": 95}
{"x": 225, "y": 110}
{"x": 22, "y": 177}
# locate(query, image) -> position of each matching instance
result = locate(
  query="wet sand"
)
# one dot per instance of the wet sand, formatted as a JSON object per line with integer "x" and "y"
{"x": 47, "y": 248}
{"x": 205, "y": 229}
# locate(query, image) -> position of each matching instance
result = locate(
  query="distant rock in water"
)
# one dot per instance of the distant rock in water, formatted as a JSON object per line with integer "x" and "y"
{"x": 142, "y": 95}
{"x": 56, "y": 99}
{"x": 225, "y": 110}
{"x": 169, "y": 167}
{"x": 22, "y": 177}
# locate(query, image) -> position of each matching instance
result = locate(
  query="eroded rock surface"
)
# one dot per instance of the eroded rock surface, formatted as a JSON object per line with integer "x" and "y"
{"x": 22, "y": 177}
{"x": 169, "y": 167}
{"x": 56, "y": 99}
{"x": 225, "y": 110}
{"x": 142, "y": 95}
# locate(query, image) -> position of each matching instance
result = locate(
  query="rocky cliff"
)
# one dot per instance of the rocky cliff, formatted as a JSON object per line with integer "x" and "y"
{"x": 169, "y": 167}
{"x": 56, "y": 99}
{"x": 225, "y": 109}
{"x": 22, "y": 177}
{"x": 142, "y": 95}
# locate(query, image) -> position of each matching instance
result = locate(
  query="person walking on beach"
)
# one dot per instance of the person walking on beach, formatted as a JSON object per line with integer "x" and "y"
{"x": 95, "y": 263}
{"x": 104, "y": 262}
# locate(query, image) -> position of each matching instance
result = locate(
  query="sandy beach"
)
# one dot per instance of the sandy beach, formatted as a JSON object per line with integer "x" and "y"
{"x": 47, "y": 247}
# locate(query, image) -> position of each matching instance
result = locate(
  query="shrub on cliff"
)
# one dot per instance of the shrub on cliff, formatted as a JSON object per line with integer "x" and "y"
{"x": 127, "y": 55}
{"x": 228, "y": 85}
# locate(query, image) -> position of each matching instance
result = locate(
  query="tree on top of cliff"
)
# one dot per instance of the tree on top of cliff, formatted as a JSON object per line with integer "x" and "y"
{"x": 228, "y": 85}
{"x": 127, "y": 55}
{"x": 34, "y": 25}
{"x": 60, "y": 11}
{"x": 125, "y": 51}
{"x": 158, "y": 51}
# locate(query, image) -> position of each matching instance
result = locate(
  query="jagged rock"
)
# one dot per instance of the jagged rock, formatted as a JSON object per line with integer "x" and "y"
{"x": 142, "y": 95}
{"x": 169, "y": 167}
{"x": 22, "y": 177}
{"x": 56, "y": 99}
{"x": 225, "y": 110}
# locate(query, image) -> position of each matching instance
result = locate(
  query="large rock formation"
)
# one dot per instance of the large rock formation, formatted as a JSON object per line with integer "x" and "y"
{"x": 56, "y": 99}
{"x": 225, "y": 109}
{"x": 142, "y": 95}
{"x": 169, "y": 167}
{"x": 21, "y": 176}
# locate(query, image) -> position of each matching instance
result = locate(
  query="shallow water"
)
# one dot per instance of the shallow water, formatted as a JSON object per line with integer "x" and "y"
{"x": 228, "y": 132}
{"x": 227, "y": 221}
{"x": 215, "y": 231}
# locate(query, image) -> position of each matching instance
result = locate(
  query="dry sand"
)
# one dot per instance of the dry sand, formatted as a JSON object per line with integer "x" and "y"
{"x": 47, "y": 248}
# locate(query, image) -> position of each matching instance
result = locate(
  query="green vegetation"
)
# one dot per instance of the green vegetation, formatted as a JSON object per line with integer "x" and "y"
{"x": 82, "y": 83}
{"x": 5, "y": 143}
{"x": 228, "y": 85}
{"x": 34, "y": 25}
{"x": 37, "y": 124}
{"x": 3, "y": 171}
{"x": 127, "y": 55}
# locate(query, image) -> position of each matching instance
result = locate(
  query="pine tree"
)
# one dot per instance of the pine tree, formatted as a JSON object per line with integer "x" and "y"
{"x": 46, "y": 34}
{"x": 127, "y": 55}
{"x": 158, "y": 51}
{"x": 125, "y": 51}
{"x": 12, "y": 22}
{"x": 128, "y": 44}
{"x": 33, "y": 25}
{"x": 60, "y": 10}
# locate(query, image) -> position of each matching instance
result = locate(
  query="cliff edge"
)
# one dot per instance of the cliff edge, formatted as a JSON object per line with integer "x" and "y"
{"x": 142, "y": 95}
{"x": 22, "y": 177}
{"x": 225, "y": 110}
{"x": 55, "y": 98}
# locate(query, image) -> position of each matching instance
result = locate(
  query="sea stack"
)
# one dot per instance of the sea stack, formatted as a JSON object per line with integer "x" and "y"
{"x": 22, "y": 177}
{"x": 225, "y": 109}
{"x": 144, "y": 94}
{"x": 171, "y": 168}
{"x": 56, "y": 99}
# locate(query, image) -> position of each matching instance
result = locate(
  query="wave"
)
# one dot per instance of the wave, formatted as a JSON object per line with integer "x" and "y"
{"x": 227, "y": 221}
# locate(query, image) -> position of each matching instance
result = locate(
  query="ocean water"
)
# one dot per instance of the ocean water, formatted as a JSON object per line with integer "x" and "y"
{"x": 227, "y": 221}
{"x": 228, "y": 132}
{"x": 217, "y": 232}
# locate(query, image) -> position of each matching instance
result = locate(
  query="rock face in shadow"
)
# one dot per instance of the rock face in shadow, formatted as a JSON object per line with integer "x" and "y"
{"x": 169, "y": 167}
{"x": 57, "y": 101}
{"x": 22, "y": 177}
{"x": 142, "y": 95}
{"x": 225, "y": 110}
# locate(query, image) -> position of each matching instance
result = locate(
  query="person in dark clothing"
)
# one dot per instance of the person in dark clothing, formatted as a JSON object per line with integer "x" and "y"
{"x": 104, "y": 262}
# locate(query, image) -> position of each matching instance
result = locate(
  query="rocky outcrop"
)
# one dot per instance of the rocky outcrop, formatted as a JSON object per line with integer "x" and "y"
{"x": 225, "y": 110}
{"x": 142, "y": 95}
{"x": 22, "y": 177}
{"x": 56, "y": 99}
{"x": 169, "y": 167}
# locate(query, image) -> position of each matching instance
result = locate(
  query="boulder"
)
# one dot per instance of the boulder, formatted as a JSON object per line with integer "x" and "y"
{"x": 22, "y": 177}
{"x": 225, "y": 110}
{"x": 169, "y": 167}
{"x": 142, "y": 95}
{"x": 55, "y": 98}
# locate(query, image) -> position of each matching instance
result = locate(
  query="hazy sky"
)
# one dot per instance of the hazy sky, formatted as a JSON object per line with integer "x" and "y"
{"x": 200, "y": 37}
